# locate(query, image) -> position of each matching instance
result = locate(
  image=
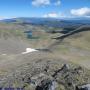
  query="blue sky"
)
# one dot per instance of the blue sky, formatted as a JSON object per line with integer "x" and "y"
{"x": 44, "y": 8}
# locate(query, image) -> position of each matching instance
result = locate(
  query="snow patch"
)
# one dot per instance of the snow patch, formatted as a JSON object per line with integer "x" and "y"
{"x": 4, "y": 54}
{"x": 28, "y": 50}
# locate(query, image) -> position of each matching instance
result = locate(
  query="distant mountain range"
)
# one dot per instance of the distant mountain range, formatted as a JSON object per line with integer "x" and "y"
{"x": 51, "y": 22}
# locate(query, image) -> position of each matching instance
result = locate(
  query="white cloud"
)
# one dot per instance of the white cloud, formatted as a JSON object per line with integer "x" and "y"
{"x": 45, "y": 2}
{"x": 1, "y": 17}
{"x": 85, "y": 11}
{"x": 57, "y": 3}
{"x": 51, "y": 15}
{"x": 40, "y": 2}
{"x": 54, "y": 15}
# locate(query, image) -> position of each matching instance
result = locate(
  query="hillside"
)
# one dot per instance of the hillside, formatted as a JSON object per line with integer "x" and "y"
{"x": 55, "y": 60}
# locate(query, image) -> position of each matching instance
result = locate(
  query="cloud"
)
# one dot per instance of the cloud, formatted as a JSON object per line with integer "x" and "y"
{"x": 54, "y": 15}
{"x": 57, "y": 3}
{"x": 40, "y": 2}
{"x": 51, "y": 15}
{"x": 1, "y": 17}
{"x": 45, "y": 2}
{"x": 85, "y": 11}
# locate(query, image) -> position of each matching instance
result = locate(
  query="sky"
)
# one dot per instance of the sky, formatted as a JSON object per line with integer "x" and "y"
{"x": 44, "y": 8}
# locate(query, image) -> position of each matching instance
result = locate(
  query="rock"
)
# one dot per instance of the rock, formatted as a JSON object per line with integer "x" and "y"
{"x": 83, "y": 87}
{"x": 64, "y": 68}
{"x": 47, "y": 85}
{"x": 44, "y": 76}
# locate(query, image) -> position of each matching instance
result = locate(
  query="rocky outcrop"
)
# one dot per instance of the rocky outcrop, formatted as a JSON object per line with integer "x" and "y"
{"x": 43, "y": 76}
{"x": 83, "y": 87}
{"x": 78, "y": 30}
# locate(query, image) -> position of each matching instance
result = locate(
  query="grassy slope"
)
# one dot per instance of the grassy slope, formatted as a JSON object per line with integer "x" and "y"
{"x": 75, "y": 48}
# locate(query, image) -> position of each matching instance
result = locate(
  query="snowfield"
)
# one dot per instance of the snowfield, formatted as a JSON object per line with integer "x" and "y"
{"x": 28, "y": 50}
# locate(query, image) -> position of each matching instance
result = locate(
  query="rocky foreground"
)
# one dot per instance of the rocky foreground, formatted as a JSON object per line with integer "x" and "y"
{"x": 47, "y": 75}
{"x": 64, "y": 67}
